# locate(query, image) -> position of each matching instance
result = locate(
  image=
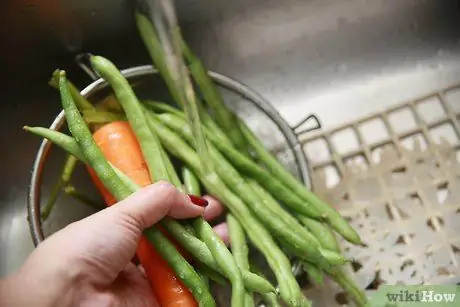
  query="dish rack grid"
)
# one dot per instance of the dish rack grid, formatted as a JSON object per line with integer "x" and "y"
{"x": 395, "y": 175}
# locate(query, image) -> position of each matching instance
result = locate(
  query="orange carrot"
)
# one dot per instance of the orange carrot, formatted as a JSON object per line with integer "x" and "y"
{"x": 170, "y": 291}
{"x": 120, "y": 147}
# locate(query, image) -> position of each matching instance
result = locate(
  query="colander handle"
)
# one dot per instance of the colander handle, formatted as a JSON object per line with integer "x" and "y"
{"x": 307, "y": 124}
{"x": 82, "y": 60}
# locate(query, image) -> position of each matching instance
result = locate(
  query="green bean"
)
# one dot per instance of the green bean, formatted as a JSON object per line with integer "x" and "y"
{"x": 274, "y": 166}
{"x": 321, "y": 231}
{"x": 244, "y": 165}
{"x": 189, "y": 229}
{"x": 259, "y": 236}
{"x": 210, "y": 124}
{"x": 289, "y": 221}
{"x": 239, "y": 246}
{"x": 116, "y": 187}
{"x": 211, "y": 274}
{"x": 240, "y": 250}
{"x": 313, "y": 272}
{"x": 191, "y": 182}
{"x": 248, "y": 299}
{"x": 60, "y": 139}
{"x": 101, "y": 117}
{"x": 190, "y": 242}
{"x": 224, "y": 258}
{"x": 171, "y": 171}
{"x": 182, "y": 268}
{"x": 135, "y": 113}
{"x": 203, "y": 277}
{"x": 214, "y": 99}
{"x": 93, "y": 117}
{"x": 270, "y": 299}
{"x": 161, "y": 107}
{"x": 82, "y": 103}
{"x": 357, "y": 295}
{"x": 206, "y": 118}
{"x": 157, "y": 54}
{"x": 66, "y": 174}
{"x": 72, "y": 192}
{"x": 85, "y": 141}
{"x": 257, "y": 283}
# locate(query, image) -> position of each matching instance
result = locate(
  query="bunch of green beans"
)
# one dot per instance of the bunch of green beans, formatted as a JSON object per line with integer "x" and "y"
{"x": 262, "y": 183}
{"x": 166, "y": 171}
{"x": 268, "y": 208}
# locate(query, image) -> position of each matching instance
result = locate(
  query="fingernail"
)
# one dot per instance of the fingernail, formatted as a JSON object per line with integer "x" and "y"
{"x": 198, "y": 200}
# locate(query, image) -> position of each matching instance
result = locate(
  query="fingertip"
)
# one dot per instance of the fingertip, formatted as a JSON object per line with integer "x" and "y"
{"x": 214, "y": 208}
{"x": 186, "y": 208}
{"x": 222, "y": 231}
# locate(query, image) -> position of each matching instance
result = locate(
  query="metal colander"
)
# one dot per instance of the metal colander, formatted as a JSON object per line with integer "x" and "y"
{"x": 251, "y": 107}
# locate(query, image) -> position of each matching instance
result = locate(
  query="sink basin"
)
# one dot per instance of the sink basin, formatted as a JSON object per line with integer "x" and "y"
{"x": 340, "y": 60}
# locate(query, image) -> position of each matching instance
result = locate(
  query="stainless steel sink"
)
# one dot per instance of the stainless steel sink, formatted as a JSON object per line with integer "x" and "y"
{"x": 338, "y": 59}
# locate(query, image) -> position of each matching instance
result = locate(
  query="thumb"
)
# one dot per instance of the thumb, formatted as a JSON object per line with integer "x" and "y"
{"x": 150, "y": 204}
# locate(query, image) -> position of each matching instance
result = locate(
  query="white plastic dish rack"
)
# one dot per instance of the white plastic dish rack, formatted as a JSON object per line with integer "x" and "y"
{"x": 396, "y": 176}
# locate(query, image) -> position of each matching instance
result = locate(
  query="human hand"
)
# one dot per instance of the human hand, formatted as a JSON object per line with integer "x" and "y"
{"x": 88, "y": 263}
